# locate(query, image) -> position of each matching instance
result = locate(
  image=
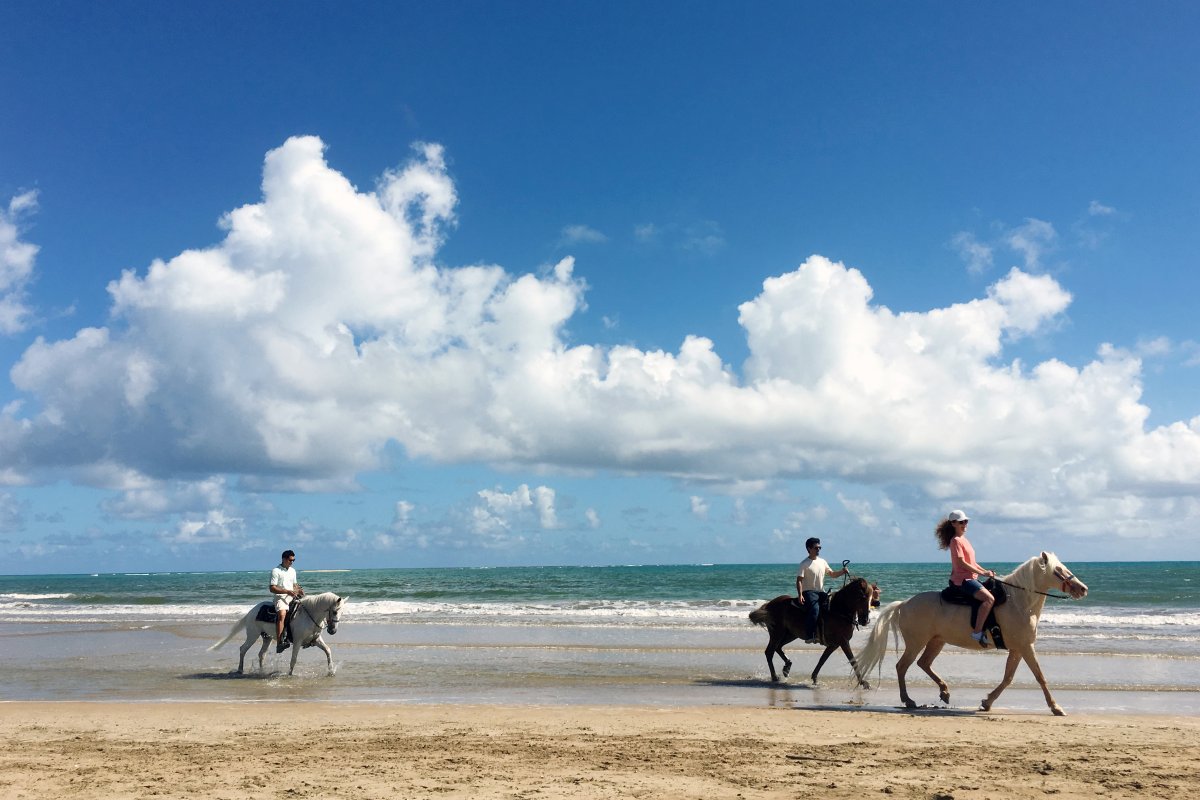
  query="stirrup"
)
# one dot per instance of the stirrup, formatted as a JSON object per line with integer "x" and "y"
{"x": 980, "y": 637}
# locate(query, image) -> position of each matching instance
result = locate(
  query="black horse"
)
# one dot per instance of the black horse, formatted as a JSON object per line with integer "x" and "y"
{"x": 849, "y": 606}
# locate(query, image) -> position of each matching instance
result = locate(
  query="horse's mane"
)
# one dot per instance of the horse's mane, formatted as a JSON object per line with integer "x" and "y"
{"x": 1029, "y": 576}
{"x": 845, "y": 599}
{"x": 1033, "y": 569}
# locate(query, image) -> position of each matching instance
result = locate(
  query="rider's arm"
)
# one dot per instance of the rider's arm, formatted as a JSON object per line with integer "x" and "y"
{"x": 829, "y": 573}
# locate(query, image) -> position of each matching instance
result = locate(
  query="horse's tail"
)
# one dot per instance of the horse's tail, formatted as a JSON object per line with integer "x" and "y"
{"x": 760, "y": 615}
{"x": 237, "y": 626}
{"x": 871, "y": 656}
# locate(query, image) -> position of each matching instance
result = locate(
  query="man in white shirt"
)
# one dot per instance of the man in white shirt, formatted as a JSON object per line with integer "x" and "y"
{"x": 810, "y": 585}
{"x": 284, "y": 589}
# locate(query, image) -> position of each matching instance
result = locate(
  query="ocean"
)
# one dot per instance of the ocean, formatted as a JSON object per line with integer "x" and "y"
{"x": 644, "y": 635}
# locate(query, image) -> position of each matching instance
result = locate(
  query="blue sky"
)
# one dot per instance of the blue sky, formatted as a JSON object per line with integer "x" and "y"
{"x": 595, "y": 283}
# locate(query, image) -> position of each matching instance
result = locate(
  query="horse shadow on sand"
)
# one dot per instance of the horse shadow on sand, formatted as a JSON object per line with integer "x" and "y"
{"x": 797, "y": 690}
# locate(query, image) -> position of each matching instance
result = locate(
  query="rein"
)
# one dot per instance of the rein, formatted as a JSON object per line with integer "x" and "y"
{"x": 1069, "y": 577}
{"x": 1032, "y": 591}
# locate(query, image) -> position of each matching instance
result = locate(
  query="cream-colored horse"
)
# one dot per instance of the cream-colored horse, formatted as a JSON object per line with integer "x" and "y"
{"x": 928, "y": 623}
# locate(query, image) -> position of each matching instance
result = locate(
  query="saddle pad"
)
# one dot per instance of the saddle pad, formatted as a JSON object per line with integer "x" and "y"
{"x": 266, "y": 613}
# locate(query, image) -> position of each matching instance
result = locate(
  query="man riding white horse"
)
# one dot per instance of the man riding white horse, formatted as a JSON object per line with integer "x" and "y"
{"x": 285, "y": 589}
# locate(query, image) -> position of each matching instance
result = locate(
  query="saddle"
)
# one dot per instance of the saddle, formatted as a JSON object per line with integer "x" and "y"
{"x": 267, "y": 613}
{"x": 954, "y": 595}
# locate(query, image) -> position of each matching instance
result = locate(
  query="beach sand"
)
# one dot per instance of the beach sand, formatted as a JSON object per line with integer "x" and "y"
{"x": 206, "y": 751}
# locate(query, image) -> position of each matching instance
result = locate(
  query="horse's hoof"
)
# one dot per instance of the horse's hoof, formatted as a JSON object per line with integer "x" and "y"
{"x": 985, "y": 705}
{"x": 909, "y": 704}
{"x": 787, "y": 670}
{"x": 864, "y": 685}
{"x": 945, "y": 697}
{"x": 774, "y": 679}
{"x": 1058, "y": 712}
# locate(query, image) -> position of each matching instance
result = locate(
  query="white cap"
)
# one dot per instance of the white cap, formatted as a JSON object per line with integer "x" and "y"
{"x": 957, "y": 516}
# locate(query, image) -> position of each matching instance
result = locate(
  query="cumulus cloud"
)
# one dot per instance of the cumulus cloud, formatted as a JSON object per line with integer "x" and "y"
{"x": 321, "y": 328}
{"x": 699, "y": 507}
{"x": 501, "y": 511}
{"x": 16, "y": 264}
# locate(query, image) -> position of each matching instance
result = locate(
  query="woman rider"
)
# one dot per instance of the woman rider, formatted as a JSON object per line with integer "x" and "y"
{"x": 964, "y": 571}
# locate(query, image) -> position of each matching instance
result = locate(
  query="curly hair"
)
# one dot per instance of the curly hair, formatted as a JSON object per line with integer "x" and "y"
{"x": 944, "y": 533}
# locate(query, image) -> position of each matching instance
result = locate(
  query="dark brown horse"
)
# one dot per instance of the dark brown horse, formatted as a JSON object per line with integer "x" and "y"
{"x": 784, "y": 622}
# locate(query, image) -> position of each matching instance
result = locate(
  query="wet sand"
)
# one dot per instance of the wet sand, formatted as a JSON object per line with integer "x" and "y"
{"x": 206, "y": 751}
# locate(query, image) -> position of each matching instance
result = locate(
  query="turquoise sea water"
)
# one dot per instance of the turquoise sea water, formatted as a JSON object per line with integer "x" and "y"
{"x": 561, "y": 634}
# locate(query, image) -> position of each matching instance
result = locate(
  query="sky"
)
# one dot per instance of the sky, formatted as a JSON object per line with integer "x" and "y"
{"x": 522, "y": 283}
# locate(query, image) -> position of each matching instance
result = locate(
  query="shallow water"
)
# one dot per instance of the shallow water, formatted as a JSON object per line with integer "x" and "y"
{"x": 562, "y": 665}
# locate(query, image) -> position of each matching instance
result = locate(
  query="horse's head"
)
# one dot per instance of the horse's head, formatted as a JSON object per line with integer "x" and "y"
{"x": 853, "y": 599}
{"x": 1057, "y": 571}
{"x": 331, "y": 619}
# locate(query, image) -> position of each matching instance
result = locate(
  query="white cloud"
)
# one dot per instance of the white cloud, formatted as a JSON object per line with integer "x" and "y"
{"x": 593, "y": 518}
{"x": 500, "y": 511}
{"x": 703, "y": 238}
{"x": 1098, "y": 209}
{"x": 976, "y": 254}
{"x": 699, "y": 507}
{"x": 320, "y": 328}
{"x": 153, "y": 500}
{"x": 402, "y": 515}
{"x": 1033, "y": 241}
{"x": 860, "y": 509}
{"x": 800, "y": 524}
{"x": 581, "y": 234}
{"x": 646, "y": 233}
{"x": 16, "y": 264}
{"x": 211, "y": 528}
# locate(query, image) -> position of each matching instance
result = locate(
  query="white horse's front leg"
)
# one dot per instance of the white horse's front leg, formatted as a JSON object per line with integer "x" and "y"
{"x": 1036, "y": 669}
{"x": 1010, "y": 669}
{"x": 328, "y": 655}
{"x": 295, "y": 655}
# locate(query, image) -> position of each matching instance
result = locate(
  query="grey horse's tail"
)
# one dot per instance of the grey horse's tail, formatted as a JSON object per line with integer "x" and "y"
{"x": 237, "y": 626}
{"x": 870, "y": 657}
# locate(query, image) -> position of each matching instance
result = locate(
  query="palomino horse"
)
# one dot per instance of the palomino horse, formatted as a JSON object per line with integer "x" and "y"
{"x": 926, "y": 621}
{"x": 785, "y": 623}
{"x": 307, "y": 618}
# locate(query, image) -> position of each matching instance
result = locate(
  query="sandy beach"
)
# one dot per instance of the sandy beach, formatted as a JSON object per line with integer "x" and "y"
{"x": 206, "y": 751}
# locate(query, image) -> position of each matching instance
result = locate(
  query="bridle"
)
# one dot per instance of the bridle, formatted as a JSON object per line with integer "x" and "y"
{"x": 331, "y": 618}
{"x": 1064, "y": 575}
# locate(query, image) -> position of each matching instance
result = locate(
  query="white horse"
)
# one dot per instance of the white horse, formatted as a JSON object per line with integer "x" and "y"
{"x": 926, "y": 621}
{"x": 313, "y": 612}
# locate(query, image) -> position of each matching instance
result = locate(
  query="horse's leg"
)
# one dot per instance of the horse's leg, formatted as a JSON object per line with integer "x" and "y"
{"x": 295, "y": 654}
{"x": 926, "y": 663}
{"x": 775, "y": 645}
{"x": 1030, "y": 656}
{"x": 902, "y": 664}
{"x": 821, "y": 661}
{"x": 770, "y": 654}
{"x": 328, "y": 655}
{"x": 245, "y": 648}
{"x": 854, "y": 664}
{"x": 1010, "y": 669}
{"x": 262, "y": 652}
